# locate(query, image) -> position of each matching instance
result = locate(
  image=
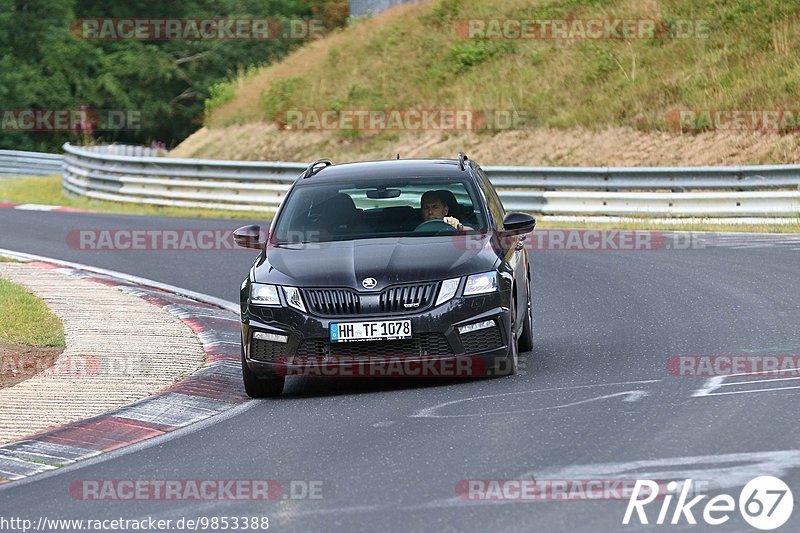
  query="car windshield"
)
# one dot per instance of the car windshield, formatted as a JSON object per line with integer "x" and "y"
{"x": 378, "y": 208}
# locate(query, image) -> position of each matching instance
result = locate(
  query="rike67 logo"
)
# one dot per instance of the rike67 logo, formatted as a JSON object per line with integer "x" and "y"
{"x": 765, "y": 503}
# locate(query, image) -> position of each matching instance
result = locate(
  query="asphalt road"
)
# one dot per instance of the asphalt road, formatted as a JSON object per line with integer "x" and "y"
{"x": 595, "y": 400}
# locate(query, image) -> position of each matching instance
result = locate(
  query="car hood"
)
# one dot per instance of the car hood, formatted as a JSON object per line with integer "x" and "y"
{"x": 389, "y": 260}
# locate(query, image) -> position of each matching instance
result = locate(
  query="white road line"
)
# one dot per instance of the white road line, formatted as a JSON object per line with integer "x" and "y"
{"x": 22, "y": 256}
{"x": 760, "y": 372}
{"x": 136, "y": 447}
{"x": 428, "y": 412}
{"x": 630, "y": 396}
{"x": 154, "y": 441}
{"x": 728, "y": 471}
{"x": 716, "y": 382}
{"x": 733, "y": 383}
{"x": 751, "y": 391}
{"x": 37, "y": 207}
{"x": 710, "y": 385}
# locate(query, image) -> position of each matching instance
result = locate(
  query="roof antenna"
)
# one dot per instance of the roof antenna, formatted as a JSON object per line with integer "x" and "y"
{"x": 398, "y": 156}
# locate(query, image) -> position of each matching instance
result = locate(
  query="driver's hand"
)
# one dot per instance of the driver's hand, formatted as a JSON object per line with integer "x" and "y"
{"x": 453, "y": 221}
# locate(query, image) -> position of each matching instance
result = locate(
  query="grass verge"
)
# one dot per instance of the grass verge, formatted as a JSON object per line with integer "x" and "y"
{"x": 47, "y": 190}
{"x": 26, "y": 320}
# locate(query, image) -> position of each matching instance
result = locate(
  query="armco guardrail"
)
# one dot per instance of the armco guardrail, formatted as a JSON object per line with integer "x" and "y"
{"x": 236, "y": 185}
{"x": 258, "y": 186}
{"x": 18, "y": 163}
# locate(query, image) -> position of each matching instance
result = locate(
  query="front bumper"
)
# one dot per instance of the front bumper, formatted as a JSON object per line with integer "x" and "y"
{"x": 436, "y": 347}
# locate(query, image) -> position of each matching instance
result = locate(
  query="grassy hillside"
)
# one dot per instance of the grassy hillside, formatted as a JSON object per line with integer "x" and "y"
{"x": 414, "y": 57}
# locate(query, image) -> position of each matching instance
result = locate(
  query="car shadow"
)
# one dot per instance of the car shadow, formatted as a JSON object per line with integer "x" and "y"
{"x": 302, "y": 387}
{"x": 315, "y": 387}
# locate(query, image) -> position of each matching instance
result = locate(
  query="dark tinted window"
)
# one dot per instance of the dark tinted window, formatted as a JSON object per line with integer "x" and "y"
{"x": 373, "y": 208}
{"x": 496, "y": 208}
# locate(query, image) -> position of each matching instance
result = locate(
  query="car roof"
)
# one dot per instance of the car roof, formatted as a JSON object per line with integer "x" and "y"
{"x": 398, "y": 168}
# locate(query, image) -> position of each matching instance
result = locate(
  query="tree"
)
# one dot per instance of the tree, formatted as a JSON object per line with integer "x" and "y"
{"x": 45, "y": 64}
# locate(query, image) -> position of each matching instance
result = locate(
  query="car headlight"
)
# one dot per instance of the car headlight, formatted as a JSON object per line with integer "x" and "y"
{"x": 261, "y": 294}
{"x": 293, "y": 298}
{"x": 481, "y": 283}
{"x": 447, "y": 290}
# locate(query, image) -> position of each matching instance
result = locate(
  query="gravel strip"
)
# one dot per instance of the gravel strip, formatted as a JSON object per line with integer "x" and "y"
{"x": 119, "y": 348}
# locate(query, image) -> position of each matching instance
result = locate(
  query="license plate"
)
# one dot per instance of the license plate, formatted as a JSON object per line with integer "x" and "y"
{"x": 371, "y": 331}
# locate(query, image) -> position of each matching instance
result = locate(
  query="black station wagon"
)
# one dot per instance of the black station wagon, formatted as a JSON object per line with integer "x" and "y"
{"x": 409, "y": 261}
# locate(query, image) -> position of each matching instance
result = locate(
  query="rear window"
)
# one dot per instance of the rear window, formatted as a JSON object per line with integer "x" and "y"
{"x": 376, "y": 208}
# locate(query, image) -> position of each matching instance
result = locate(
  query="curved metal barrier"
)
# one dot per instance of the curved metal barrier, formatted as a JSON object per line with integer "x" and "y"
{"x": 100, "y": 172}
{"x": 236, "y": 185}
{"x": 15, "y": 163}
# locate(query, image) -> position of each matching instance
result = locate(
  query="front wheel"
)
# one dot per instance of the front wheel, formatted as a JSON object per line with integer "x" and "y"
{"x": 526, "y": 339}
{"x": 260, "y": 387}
{"x": 507, "y": 366}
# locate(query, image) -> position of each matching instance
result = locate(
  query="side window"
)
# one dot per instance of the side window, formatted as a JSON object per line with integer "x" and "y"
{"x": 495, "y": 205}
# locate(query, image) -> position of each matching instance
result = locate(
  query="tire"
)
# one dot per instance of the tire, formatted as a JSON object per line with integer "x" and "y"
{"x": 526, "y": 339}
{"x": 507, "y": 366}
{"x": 260, "y": 387}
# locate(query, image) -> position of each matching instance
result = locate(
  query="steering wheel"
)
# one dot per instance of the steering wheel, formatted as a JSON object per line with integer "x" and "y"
{"x": 434, "y": 225}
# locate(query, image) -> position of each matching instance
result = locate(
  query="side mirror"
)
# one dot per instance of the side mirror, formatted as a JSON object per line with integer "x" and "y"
{"x": 249, "y": 237}
{"x": 517, "y": 224}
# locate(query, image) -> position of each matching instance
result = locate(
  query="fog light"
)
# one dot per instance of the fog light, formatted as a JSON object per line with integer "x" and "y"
{"x": 469, "y": 328}
{"x": 260, "y": 335}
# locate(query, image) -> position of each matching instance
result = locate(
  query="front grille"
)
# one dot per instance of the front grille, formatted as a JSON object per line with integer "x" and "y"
{"x": 261, "y": 350}
{"x": 407, "y": 298}
{"x": 430, "y": 344}
{"x": 482, "y": 340}
{"x": 332, "y": 302}
{"x": 395, "y": 300}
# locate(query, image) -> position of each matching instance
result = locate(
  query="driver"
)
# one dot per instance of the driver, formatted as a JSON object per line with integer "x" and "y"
{"x": 434, "y": 207}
